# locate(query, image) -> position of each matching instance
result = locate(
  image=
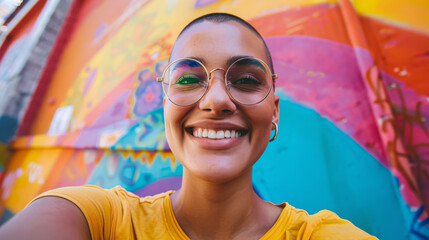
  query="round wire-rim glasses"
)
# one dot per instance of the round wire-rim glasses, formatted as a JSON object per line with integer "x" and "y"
{"x": 207, "y": 77}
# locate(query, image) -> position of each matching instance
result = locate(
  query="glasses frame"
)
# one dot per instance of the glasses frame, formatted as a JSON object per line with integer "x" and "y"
{"x": 208, "y": 73}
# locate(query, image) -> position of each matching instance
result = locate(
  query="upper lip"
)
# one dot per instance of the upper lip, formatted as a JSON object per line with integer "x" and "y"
{"x": 216, "y": 125}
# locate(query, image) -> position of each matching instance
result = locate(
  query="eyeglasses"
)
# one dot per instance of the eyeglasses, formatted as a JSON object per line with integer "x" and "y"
{"x": 248, "y": 81}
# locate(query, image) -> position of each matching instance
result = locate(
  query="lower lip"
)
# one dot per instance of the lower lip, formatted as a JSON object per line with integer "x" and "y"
{"x": 216, "y": 144}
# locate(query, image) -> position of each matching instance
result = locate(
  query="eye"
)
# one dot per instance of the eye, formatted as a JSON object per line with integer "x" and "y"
{"x": 246, "y": 80}
{"x": 188, "y": 79}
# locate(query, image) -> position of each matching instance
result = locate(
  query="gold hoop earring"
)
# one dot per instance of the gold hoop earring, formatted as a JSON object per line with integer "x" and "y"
{"x": 277, "y": 131}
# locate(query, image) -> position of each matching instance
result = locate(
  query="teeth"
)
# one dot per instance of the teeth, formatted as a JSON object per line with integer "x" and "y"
{"x": 212, "y": 134}
{"x": 227, "y": 134}
{"x": 220, "y": 134}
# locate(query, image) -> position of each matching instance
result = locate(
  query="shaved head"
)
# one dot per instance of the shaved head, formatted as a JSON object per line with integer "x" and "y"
{"x": 226, "y": 17}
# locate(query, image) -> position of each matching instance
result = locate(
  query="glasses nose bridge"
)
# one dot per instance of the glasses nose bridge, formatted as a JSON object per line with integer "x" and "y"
{"x": 209, "y": 86}
{"x": 216, "y": 69}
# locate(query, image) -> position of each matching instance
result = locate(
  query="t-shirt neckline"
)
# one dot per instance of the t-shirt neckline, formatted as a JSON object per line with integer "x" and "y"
{"x": 176, "y": 231}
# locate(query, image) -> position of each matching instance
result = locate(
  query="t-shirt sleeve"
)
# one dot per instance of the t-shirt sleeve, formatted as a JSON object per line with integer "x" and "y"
{"x": 331, "y": 227}
{"x": 95, "y": 203}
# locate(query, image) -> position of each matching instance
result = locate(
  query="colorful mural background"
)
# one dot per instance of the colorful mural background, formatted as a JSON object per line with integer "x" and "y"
{"x": 354, "y": 108}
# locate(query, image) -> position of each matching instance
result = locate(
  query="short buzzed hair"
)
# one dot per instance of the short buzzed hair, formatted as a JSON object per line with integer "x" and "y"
{"x": 226, "y": 17}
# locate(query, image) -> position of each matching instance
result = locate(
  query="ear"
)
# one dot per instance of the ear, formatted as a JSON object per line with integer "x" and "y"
{"x": 276, "y": 111}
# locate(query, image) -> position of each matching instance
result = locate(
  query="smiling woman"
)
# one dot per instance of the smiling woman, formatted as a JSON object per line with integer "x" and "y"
{"x": 220, "y": 109}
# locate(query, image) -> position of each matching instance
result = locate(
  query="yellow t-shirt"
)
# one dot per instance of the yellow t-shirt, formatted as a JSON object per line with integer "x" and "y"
{"x": 118, "y": 214}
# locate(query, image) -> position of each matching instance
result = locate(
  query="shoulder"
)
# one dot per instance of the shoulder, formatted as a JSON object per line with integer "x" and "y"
{"x": 47, "y": 218}
{"x": 110, "y": 212}
{"x": 330, "y": 226}
{"x": 117, "y": 198}
{"x": 84, "y": 196}
{"x": 95, "y": 194}
{"x": 326, "y": 225}
{"x": 80, "y": 191}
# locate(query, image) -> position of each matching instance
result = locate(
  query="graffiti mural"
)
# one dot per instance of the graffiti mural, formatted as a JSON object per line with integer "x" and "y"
{"x": 136, "y": 170}
{"x": 354, "y": 113}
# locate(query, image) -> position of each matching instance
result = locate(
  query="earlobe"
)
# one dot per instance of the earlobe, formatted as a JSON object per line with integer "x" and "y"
{"x": 276, "y": 128}
{"x": 276, "y": 111}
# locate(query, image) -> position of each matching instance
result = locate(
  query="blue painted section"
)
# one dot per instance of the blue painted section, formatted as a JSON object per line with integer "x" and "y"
{"x": 6, "y": 216}
{"x": 147, "y": 134}
{"x": 419, "y": 229}
{"x": 132, "y": 174}
{"x": 313, "y": 165}
{"x": 8, "y": 127}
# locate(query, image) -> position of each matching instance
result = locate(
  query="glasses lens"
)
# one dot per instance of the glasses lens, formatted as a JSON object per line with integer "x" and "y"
{"x": 249, "y": 81}
{"x": 185, "y": 81}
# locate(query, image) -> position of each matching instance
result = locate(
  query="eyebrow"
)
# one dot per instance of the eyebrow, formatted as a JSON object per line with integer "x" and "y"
{"x": 230, "y": 61}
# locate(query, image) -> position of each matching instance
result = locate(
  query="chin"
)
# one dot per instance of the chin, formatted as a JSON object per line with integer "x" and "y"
{"x": 219, "y": 177}
{"x": 218, "y": 169}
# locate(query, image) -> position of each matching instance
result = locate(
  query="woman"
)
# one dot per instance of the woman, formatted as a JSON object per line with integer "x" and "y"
{"x": 220, "y": 109}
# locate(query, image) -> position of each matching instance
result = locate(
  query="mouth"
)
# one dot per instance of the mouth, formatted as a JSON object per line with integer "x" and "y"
{"x": 216, "y": 134}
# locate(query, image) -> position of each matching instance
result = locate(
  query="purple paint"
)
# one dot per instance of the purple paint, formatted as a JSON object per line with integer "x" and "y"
{"x": 100, "y": 32}
{"x": 324, "y": 75}
{"x": 116, "y": 112}
{"x": 29, "y": 141}
{"x": 89, "y": 81}
{"x": 87, "y": 138}
{"x": 148, "y": 97}
{"x": 163, "y": 185}
{"x": 204, "y": 3}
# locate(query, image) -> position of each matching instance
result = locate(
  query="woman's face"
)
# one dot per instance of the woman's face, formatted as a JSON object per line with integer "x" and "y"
{"x": 219, "y": 160}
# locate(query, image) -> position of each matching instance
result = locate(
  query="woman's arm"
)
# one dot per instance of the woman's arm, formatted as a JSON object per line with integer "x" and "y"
{"x": 47, "y": 218}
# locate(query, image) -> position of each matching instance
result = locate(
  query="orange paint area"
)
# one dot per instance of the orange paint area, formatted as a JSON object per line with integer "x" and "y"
{"x": 402, "y": 53}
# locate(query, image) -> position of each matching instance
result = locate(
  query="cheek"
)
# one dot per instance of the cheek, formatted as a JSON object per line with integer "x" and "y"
{"x": 262, "y": 119}
{"x": 174, "y": 117}
{"x": 172, "y": 114}
{"x": 171, "y": 123}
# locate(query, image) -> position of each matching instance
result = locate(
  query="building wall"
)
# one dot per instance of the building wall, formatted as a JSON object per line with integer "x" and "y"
{"x": 353, "y": 129}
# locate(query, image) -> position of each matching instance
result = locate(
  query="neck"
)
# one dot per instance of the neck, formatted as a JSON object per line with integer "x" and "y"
{"x": 207, "y": 210}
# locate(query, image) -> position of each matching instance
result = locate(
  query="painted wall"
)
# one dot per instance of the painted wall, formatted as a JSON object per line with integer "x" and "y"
{"x": 13, "y": 48}
{"x": 353, "y": 122}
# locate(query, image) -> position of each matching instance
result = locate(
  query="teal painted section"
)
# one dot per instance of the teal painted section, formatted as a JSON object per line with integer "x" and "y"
{"x": 313, "y": 165}
{"x": 131, "y": 172}
{"x": 9, "y": 125}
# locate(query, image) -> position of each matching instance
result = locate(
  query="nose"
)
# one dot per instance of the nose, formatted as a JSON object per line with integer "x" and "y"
{"x": 216, "y": 100}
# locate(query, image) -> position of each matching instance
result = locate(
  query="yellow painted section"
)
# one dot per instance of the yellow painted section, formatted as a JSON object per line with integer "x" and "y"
{"x": 26, "y": 175}
{"x": 413, "y": 14}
